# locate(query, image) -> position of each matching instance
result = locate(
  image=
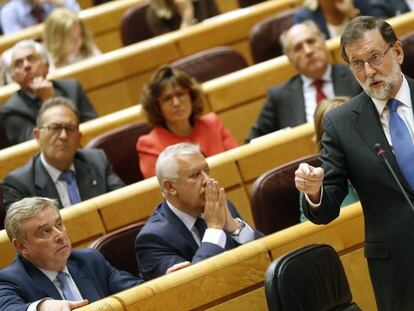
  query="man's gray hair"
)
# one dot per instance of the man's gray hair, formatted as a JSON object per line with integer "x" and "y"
{"x": 283, "y": 37}
{"x": 36, "y": 46}
{"x": 167, "y": 164}
{"x": 22, "y": 210}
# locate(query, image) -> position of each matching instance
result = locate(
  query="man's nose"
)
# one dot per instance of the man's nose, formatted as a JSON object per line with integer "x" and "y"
{"x": 369, "y": 70}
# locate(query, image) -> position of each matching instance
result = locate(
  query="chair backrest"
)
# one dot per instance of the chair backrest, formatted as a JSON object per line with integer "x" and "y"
{"x": 275, "y": 199}
{"x": 309, "y": 278}
{"x": 264, "y": 36}
{"x": 408, "y": 47}
{"x": 2, "y": 208}
{"x": 211, "y": 63}
{"x": 246, "y": 3}
{"x": 119, "y": 146}
{"x": 4, "y": 141}
{"x": 134, "y": 26}
{"x": 118, "y": 247}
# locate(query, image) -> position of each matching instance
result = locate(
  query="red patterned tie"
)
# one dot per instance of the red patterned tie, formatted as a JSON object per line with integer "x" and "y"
{"x": 319, "y": 92}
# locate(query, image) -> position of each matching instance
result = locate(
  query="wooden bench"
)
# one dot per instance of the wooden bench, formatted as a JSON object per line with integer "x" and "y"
{"x": 234, "y": 280}
{"x": 92, "y": 218}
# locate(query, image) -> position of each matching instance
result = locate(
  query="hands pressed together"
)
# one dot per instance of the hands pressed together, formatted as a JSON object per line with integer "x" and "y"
{"x": 43, "y": 88}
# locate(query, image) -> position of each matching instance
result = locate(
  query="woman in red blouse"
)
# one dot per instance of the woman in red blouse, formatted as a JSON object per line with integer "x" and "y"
{"x": 174, "y": 103}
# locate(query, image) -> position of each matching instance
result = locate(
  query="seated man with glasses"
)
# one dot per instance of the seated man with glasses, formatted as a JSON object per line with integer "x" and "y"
{"x": 61, "y": 171}
{"x": 27, "y": 64}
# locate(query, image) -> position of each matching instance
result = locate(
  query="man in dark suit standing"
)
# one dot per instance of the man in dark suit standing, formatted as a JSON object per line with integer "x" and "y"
{"x": 61, "y": 171}
{"x": 195, "y": 221}
{"x": 47, "y": 274}
{"x": 381, "y": 116}
{"x": 294, "y": 102}
{"x": 27, "y": 63}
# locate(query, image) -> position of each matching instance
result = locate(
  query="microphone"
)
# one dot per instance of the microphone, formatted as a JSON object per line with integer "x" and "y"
{"x": 379, "y": 149}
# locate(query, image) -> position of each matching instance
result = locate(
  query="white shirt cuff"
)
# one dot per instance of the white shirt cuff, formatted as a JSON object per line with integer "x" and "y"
{"x": 314, "y": 205}
{"x": 215, "y": 236}
{"x": 246, "y": 234}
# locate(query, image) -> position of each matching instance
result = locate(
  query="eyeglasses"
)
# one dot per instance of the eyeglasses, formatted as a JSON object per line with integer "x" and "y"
{"x": 180, "y": 94}
{"x": 56, "y": 128}
{"x": 375, "y": 60}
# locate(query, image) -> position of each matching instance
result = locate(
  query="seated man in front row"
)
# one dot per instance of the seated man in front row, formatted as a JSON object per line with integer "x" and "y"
{"x": 47, "y": 274}
{"x": 61, "y": 171}
{"x": 194, "y": 222}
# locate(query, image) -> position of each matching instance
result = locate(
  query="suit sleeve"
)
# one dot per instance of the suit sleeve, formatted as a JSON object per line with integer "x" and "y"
{"x": 14, "y": 190}
{"x": 86, "y": 110}
{"x": 18, "y": 129}
{"x": 113, "y": 181}
{"x": 267, "y": 120}
{"x": 10, "y": 297}
{"x": 335, "y": 182}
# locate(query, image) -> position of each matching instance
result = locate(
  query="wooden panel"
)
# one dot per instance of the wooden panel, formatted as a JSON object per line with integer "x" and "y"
{"x": 227, "y": 5}
{"x": 254, "y": 300}
{"x": 356, "y": 269}
{"x": 6, "y": 250}
{"x": 213, "y": 279}
{"x": 224, "y": 169}
{"x": 242, "y": 202}
{"x": 82, "y": 222}
{"x": 16, "y": 156}
{"x": 107, "y": 304}
{"x": 129, "y": 204}
{"x": 275, "y": 149}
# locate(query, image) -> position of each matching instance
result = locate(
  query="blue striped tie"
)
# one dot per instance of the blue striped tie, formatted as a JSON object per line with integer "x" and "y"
{"x": 69, "y": 177}
{"x": 401, "y": 142}
{"x": 62, "y": 277}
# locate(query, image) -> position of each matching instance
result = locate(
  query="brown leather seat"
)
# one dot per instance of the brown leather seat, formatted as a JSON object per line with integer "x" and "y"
{"x": 275, "y": 199}
{"x": 119, "y": 146}
{"x": 408, "y": 47}
{"x": 134, "y": 27}
{"x": 118, "y": 247}
{"x": 246, "y": 3}
{"x": 211, "y": 63}
{"x": 264, "y": 36}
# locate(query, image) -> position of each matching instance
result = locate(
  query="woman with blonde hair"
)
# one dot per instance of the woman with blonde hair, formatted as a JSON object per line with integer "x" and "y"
{"x": 66, "y": 39}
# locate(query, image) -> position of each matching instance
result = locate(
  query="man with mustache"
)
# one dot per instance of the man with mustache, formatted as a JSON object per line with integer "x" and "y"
{"x": 377, "y": 123}
{"x": 195, "y": 221}
{"x": 294, "y": 102}
{"x": 47, "y": 274}
{"x": 61, "y": 171}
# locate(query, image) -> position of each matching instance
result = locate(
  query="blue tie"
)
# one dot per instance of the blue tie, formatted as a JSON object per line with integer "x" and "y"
{"x": 69, "y": 177}
{"x": 402, "y": 143}
{"x": 62, "y": 277}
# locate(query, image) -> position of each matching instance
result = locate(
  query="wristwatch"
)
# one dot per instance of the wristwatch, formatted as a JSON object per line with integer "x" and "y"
{"x": 239, "y": 227}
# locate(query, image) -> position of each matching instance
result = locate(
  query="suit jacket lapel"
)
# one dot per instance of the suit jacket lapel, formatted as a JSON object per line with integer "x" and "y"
{"x": 40, "y": 280}
{"x": 373, "y": 133}
{"x": 44, "y": 184}
{"x": 298, "y": 99}
{"x": 189, "y": 245}
{"x": 86, "y": 178}
{"x": 338, "y": 75}
{"x": 84, "y": 283}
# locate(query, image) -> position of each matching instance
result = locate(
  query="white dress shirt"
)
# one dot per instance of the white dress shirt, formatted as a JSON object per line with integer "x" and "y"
{"x": 309, "y": 92}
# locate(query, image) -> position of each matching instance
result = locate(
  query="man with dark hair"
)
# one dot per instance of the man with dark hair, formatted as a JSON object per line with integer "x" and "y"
{"x": 195, "y": 221}
{"x": 378, "y": 122}
{"x": 47, "y": 274}
{"x": 294, "y": 102}
{"x": 61, "y": 171}
{"x": 27, "y": 63}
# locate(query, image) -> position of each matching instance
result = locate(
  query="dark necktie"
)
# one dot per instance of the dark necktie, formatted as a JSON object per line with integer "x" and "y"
{"x": 320, "y": 95}
{"x": 69, "y": 177}
{"x": 62, "y": 277}
{"x": 38, "y": 13}
{"x": 402, "y": 143}
{"x": 201, "y": 226}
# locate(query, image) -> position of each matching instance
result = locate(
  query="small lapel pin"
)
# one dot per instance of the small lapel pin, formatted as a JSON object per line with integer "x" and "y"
{"x": 94, "y": 182}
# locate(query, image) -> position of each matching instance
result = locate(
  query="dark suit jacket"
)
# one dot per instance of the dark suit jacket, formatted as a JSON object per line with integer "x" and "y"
{"x": 388, "y": 8}
{"x": 165, "y": 241}
{"x": 20, "y": 111}
{"x": 351, "y": 131}
{"x": 22, "y": 283}
{"x": 317, "y": 16}
{"x": 285, "y": 104}
{"x": 94, "y": 176}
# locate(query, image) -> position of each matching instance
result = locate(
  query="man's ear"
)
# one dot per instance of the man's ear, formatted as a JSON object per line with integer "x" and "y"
{"x": 36, "y": 133}
{"x": 169, "y": 187}
{"x": 20, "y": 247}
